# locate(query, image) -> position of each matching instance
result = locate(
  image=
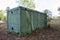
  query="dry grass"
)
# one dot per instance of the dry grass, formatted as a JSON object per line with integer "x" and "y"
{"x": 40, "y": 34}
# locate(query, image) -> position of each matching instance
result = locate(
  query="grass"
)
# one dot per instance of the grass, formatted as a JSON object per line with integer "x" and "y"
{"x": 58, "y": 28}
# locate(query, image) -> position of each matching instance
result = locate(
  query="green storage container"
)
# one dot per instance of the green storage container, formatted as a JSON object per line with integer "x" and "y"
{"x": 24, "y": 21}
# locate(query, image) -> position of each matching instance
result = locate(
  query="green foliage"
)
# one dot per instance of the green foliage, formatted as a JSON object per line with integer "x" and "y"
{"x": 28, "y": 4}
{"x": 2, "y": 17}
{"x": 58, "y": 9}
{"x": 26, "y": 1}
{"x": 56, "y": 18}
{"x": 49, "y": 19}
{"x": 48, "y": 12}
{"x": 31, "y": 5}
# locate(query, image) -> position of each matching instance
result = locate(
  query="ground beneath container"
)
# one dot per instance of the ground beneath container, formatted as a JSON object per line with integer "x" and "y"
{"x": 42, "y": 34}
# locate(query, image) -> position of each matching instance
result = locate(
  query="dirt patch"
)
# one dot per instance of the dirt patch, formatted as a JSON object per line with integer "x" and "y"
{"x": 40, "y": 34}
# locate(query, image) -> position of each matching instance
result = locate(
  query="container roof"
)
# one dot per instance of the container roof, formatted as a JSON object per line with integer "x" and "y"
{"x": 24, "y": 8}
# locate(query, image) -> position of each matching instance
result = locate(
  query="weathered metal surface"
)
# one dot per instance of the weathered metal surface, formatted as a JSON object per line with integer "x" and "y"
{"x": 13, "y": 20}
{"x": 23, "y": 20}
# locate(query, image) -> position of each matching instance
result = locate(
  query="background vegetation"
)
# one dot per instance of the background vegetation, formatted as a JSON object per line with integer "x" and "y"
{"x": 2, "y": 16}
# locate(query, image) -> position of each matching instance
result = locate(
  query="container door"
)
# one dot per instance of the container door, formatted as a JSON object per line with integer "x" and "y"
{"x": 14, "y": 21}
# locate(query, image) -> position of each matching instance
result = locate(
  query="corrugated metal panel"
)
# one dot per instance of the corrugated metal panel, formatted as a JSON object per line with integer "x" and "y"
{"x": 40, "y": 21}
{"x": 35, "y": 20}
{"x": 32, "y": 26}
{"x": 23, "y": 23}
